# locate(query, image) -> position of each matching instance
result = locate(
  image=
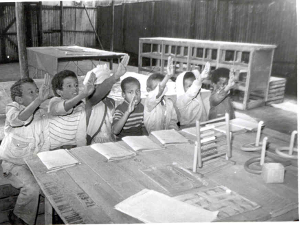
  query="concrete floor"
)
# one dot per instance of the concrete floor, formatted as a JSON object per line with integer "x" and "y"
{"x": 281, "y": 117}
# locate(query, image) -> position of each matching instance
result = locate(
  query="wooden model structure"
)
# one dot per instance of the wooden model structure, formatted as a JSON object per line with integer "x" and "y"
{"x": 211, "y": 143}
{"x": 252, "y": 62}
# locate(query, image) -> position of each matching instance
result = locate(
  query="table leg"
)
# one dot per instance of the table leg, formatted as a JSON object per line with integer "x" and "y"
{"x": 48, "y": 212}
{"x": 111, "y": 64}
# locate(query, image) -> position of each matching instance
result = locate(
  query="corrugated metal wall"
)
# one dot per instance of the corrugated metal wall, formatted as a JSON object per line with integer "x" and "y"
{"x": 252, "y": 21}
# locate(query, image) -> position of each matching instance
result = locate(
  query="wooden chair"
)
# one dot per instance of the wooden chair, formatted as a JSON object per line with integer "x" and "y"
{"x": 211, "y": 143}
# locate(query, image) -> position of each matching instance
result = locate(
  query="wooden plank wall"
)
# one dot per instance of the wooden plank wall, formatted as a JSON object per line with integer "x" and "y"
{"x": 253, "y": 21}
{"x": 77, "y": 28}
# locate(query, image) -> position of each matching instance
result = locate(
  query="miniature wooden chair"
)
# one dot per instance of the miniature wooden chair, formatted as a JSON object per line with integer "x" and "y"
{"x": 208, "y": 142}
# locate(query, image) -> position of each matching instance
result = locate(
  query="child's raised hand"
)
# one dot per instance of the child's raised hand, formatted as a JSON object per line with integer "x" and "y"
{"x": 231, "y": 81}
{"x": 170, "y": 67}
{"x": 44, "y": 91}
{"x": 122, "y": 67}
{"x": 89, "y": 87}
{"x": 205, "y": 71}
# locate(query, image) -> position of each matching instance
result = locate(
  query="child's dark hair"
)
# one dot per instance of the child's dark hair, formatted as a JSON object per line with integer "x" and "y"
{"x": 220, "y": 72}
{"x": 188, "y": 75}
{"x": 152, "y": 77}
{"x": 128, "y": 80}
{"x": 57, "y": 80}
{"x": 16, "y": 88}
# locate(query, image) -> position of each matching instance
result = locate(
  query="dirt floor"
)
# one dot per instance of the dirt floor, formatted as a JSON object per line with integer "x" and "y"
{"x": 281, "y": 117}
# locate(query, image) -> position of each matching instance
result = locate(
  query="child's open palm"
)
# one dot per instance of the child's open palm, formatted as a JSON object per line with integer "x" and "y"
{"x": 44, "y": 91}
{"x": 205, "y": 71}
{"x": 231, "y": 81}
{"x": 132, "y": 104}
{"x": 89, "y": 87}
{"x": 121, "y": 70}
{"x": 170, "y": 67}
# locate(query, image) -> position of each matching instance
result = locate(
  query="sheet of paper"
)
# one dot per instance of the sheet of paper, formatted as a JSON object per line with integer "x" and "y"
{"x": 112, "y": 151}
{"x": 153, "y": 207}
{"x": 140, "y": 143}
{"x": 205, "y": 131}
{"x": 220, "y": 198}
{"x": 169, "y": 137}
{"x": 57, "y": 159}
{"x": 249, "y": 125}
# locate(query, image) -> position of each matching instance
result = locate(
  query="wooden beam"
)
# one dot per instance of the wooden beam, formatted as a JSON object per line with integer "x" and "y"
{"x": 61, "y": 24}
{"x": 112, "y": 26}
{"x": 27, "y": 15}
{"x": 21, "y": 37}
{"x": 40, "y": 24}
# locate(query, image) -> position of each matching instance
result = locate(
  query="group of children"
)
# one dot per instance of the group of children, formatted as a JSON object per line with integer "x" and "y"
{"x": 77, "y": 117}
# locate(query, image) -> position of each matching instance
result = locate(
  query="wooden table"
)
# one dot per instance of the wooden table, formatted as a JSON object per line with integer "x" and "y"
{"x": 87, "y": 193}
{"x": 47, "y": 59}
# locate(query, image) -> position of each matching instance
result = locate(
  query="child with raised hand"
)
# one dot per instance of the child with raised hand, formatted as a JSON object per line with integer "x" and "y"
{"x": 129, "y": 116}
{"x": 189, "y": 102}
{"x": 159, "y": 113}
{"x": 220, "y": 102}
{"x": 24, "y": 136}
{"x": 67, "y": 124}
{"x": 99, "y": 108}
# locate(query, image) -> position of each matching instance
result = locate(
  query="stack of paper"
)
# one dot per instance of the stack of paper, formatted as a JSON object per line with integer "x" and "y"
{"x": 112, "y": 151}
{"x": 169, "y": 137}
{"x": 57, "y": 159}
{"x": 140, "y": 143}
{"x": 153, "y": 207}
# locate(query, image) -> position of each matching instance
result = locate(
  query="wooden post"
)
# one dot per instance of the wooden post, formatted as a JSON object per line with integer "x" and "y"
{"x": 112, "y": 26}
{"x": 21, "y": 37}
{"x": 61, "y": 24}
{"x": 40, "y": 24}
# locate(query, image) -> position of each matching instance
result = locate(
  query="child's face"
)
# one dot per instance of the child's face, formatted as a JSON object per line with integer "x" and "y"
{"x": 69, "y": 89}
{"x": 29, "y": 94}
{"x": 153, "y": 85}
{"x": 187, "y": 84}
{"x": 131, "y": 90}
{"x": 223, "y": 81}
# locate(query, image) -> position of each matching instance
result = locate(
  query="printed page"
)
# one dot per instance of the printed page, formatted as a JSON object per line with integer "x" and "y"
{"x": 169, "y": 137}
{"x": 57, "y": 159}
{"x": 139, "y": 143}
{"x": 153, "y": 207}
{"x": 112, "y": 151}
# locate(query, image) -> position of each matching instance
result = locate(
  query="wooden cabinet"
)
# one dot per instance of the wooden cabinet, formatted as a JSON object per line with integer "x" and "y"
{"x": 252, "y": 63}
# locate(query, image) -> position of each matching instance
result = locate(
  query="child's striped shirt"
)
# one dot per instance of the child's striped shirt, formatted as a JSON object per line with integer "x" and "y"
{"x": 135, "y": 122}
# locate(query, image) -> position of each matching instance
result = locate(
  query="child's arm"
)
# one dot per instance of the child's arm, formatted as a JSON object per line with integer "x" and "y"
{"x": 87, "y": 91}
{"x": 103, "y": 89}
{"x": 218, "y": 96}
{"x": 118, "y": 125}
{"x": 43, "y": 95}
{"x": 170, "y": 73}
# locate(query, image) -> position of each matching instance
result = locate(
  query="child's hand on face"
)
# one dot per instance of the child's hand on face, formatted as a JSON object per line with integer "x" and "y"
{"x": 89, "y": 87}
{"x": 170, "y": 67}
{"x": 44, "y": 91}
{"x": 132, "y": 104}
{"x": 122, "y": 67}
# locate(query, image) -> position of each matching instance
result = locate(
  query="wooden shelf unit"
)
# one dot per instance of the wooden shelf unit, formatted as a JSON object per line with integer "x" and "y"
{"x": 252, "y": 62}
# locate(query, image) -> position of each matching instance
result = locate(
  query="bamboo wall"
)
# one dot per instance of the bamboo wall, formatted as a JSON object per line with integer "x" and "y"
{"x": 252, "y": 21}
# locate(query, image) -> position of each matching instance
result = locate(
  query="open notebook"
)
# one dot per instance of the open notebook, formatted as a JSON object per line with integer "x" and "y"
{"x": 169, "y": 137}
{"x": 204, "y": 132}
{"x": 57, "y": 159}
{"x": 140, "y": 143}
{"x": 112, "y": 151}
{"x": 153, "y": 207}
{"x": 237, "y": 125}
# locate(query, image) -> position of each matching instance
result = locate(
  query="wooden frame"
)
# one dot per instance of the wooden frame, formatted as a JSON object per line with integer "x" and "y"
{"x": 253, "y": 59}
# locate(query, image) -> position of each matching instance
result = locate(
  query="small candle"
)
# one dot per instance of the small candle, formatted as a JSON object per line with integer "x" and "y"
{"x": 263, "y": 151}
{"x": 292, "y": 142}
{"x": 260, "y": 124}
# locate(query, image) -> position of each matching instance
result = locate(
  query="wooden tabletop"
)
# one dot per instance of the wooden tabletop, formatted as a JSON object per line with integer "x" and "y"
{"x": 87, "y": 193}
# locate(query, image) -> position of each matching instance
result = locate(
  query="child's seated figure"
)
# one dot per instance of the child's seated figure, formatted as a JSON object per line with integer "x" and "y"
{"x": 159, "y": 113}
{"x": 128, "y": 118}
{"x": 189, "y": 102}
{"x": 220, "y": 102}
{"x": 67, "y": 124}
{"x": 25, "y": 134}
